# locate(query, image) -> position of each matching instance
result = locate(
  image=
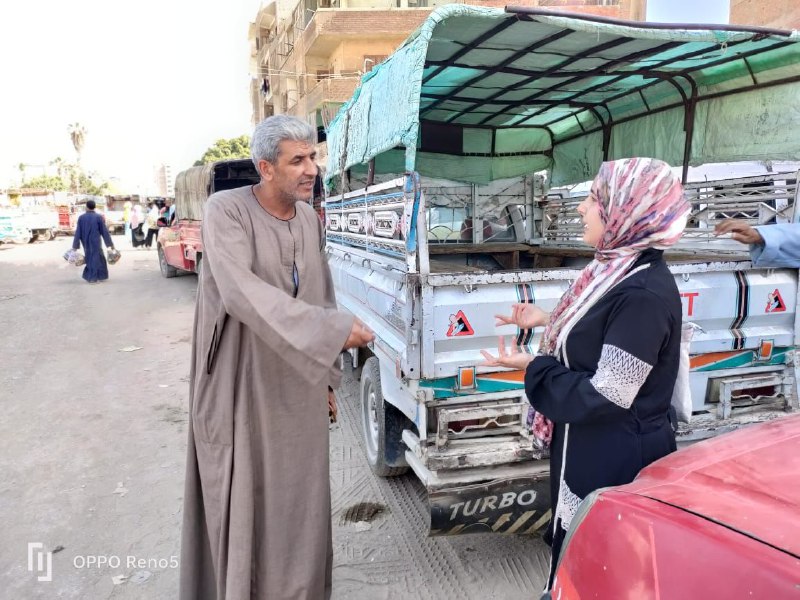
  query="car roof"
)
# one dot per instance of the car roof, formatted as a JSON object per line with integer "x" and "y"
{"x": 748, "y": 480}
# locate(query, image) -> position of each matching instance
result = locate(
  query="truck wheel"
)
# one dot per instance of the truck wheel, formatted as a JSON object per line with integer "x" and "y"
{"x": 382, "y": 424}
{"x": 33, "y": 238}
{"x": 47, "y": 235}
{"x": 167, "y": 270}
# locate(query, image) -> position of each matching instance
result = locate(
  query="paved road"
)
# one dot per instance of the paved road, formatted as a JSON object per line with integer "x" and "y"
{"x": 93, "y": 389}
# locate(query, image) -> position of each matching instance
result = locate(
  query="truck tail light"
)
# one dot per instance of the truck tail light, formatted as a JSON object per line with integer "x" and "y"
{"x": 466, "y": 378}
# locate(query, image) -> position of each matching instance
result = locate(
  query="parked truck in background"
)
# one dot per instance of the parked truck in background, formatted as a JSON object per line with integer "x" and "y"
{"x": 32, "y": 225}
{"x": 71, "y": 207}
{"x": 180, "y": 246}
{"x": 12, "y": 231}
{"x": 32, "y": 214}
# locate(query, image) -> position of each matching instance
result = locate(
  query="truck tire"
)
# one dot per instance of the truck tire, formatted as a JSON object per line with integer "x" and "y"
{"x": 33, "y": 238}
{"x": 46, "y": 235}
{"x": 167, "y": 270}
{"x": 382, "y": 424}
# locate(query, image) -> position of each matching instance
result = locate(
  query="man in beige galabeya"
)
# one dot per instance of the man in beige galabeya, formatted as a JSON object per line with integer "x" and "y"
{"x": 267, "y": 336}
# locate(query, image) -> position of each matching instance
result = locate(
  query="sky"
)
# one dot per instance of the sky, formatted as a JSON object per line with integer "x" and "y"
{"x": 153, "y": 81}
{"x": 688, "y": 11}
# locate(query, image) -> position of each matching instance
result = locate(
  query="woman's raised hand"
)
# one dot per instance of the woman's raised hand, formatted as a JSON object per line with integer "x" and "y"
{"x": 512, "y": 359}
{"x": 524, "y": 316}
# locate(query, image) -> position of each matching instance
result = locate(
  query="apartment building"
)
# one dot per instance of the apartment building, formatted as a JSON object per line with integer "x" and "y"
{"x": 780, "y": 14}
{"x": 307, "y": 57}
{"x": 164, "y": 180}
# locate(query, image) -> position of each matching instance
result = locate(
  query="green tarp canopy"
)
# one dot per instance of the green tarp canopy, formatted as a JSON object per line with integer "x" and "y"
{"x": 477, "y": 94}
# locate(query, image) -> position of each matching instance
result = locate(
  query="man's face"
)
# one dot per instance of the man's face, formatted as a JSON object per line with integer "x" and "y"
{"x": 292, "y": 175}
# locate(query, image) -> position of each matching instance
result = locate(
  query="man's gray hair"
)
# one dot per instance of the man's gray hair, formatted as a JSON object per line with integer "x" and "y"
{"x": 273, "y": 130}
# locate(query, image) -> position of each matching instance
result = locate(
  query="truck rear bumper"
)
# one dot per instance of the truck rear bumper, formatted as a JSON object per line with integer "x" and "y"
{"x": 508, "y": 498}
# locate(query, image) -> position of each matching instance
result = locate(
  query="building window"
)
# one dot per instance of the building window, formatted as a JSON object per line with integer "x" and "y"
{"x": 373, "y": 60}
{"x": 323, "y": 74}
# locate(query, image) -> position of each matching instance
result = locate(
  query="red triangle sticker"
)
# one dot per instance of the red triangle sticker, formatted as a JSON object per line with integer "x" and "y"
{"x": 775, "y": 302}
{"x": 459, "y": 325}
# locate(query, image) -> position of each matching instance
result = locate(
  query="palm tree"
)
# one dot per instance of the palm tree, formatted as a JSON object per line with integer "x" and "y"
{"x": 58, "y": 162}
{"x": 77, "y": 134}
{"x": 71, "y": 176}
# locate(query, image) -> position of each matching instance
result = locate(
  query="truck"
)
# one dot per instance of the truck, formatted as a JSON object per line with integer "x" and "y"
{"x": 71, "y": 207}
{"x": 12, "y": 231}
{"x": 180, "y": 246}
{"x": 42, "y": 223}
{"x": 32, "y": 225}
{"x": 114, "y": 214}
{"x": 443, "y": 171}
{"x": 33, "y": 212}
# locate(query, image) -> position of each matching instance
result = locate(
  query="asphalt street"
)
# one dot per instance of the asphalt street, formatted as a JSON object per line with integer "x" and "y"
{"x": 94, "y": 392}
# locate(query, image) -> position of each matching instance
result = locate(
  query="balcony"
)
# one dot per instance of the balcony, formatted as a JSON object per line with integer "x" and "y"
{"x": 260, "y": 33}
{"x": 263, "y": 54}
{"x": 330, "y": 26}
{"x": 330, "y": 90}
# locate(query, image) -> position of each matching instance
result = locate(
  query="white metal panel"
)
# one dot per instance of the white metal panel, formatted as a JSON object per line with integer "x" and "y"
{"x": 723, "y": 304}
{"x": 710, "y": 300}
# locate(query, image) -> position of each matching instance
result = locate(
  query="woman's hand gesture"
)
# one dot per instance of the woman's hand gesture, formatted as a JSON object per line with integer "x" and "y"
{"x": 513, "y": 359}
{"x": 524, "y": 316}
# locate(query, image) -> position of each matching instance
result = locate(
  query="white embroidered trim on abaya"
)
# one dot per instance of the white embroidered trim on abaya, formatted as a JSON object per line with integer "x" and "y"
{"x": 619, "y": 375}
{"x": 568, "y": 505}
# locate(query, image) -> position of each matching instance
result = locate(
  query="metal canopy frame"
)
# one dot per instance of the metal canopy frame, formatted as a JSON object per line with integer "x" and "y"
{"x": 556, "y": 97}
{"x": 660, "y": 72}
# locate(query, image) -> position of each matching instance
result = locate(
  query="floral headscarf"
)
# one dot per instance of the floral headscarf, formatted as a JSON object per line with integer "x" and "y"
{"x": 642, "y": 206}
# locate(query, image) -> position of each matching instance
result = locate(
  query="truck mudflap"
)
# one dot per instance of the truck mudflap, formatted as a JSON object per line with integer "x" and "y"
{"x": 518, "y": 505}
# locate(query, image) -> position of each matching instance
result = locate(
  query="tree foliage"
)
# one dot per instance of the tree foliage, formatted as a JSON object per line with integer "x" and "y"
{"x": 226, "y": 149}
{"x": 72, "y": 179}
{"x": 91, "y": 186}
{"x": 47, "y": 182}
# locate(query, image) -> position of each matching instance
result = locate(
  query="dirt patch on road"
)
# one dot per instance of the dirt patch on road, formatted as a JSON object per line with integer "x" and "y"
{"x": 362, "y": 512}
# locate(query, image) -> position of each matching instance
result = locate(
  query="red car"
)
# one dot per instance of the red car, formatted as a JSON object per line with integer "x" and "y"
{"x": 719, "y": 519}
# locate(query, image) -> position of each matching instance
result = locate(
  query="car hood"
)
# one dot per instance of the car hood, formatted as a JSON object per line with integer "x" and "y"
{"x": 748, "y": 480}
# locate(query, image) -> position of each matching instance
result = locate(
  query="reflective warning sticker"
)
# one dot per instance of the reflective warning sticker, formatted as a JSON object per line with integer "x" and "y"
{"x": 459, "y": 325}
{"x": 775, "y": 302}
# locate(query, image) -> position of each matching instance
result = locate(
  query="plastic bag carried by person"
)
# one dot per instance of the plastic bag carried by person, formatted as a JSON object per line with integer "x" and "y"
{"x": 113, "y": 256}
{"x": 681, "y": 393}
{"x": 74, "y": 257}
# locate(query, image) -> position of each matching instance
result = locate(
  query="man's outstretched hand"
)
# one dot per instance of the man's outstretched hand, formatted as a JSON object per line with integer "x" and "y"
{"x": 360, "y": 335}
{"x": 741, "y": 231}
